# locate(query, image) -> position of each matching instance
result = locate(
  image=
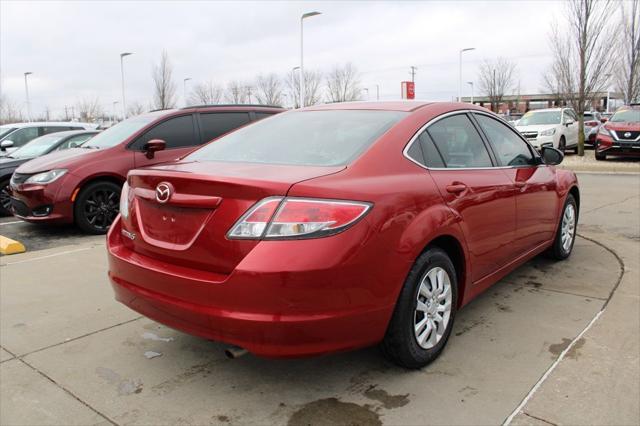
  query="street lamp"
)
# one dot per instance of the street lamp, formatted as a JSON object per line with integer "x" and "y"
{"x": 293, "y": 101}
{"x": 302, "y": 18}
{"x": 608, "y": 76}
{"x": 466, "y": 49}
{"x": 114, "y": 115}
{"x": 26, "y": 91}
{"x": 470, "y": 83}
{"x": 184, "y": 88}
{"x": 124, "y": 103}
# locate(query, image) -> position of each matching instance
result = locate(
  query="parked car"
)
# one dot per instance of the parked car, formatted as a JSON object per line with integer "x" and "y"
{"x": 556, "y": 127}
{"x": 13, "y": 136}
{"x": 339, "y": 226}
{"x": 592, "y": 122}
{"x": 36, "y": 148}
{"x": 82, "y": 185}
{"x": 620, "y": 136}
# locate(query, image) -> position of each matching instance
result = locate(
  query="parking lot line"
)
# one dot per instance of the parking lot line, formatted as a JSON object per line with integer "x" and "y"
{"x": 11, "y": 223}
{"x": 48, "y": 256}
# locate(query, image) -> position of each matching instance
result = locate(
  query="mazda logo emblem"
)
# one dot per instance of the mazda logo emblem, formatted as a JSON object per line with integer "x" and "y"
{"x": 163, "y": 192}
{"x": 627, "y": 135}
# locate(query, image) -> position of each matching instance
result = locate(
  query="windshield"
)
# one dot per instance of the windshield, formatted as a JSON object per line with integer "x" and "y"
{"x": 37, "y": 147}
{"x": 533, "y": 118}
{"x": 626, "y": 116}
{"x": 313, "y": 138}
{"x": 121, "y": 131}
{"x": 4, "y": 131}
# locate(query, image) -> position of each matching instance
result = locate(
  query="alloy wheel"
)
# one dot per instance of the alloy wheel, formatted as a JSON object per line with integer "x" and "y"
{"x": 433, "y": 307}
{"x": 101, "y": 208}
{"x": 5, "y": 199}
{"x": 568, "y": 229}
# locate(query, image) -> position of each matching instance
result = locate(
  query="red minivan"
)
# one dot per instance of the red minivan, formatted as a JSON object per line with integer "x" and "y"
{"x": 82, "y": 185}
{"x": 339, "y": 226}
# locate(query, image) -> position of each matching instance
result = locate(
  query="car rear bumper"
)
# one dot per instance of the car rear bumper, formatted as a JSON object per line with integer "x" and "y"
{"x": 266, "y": 313}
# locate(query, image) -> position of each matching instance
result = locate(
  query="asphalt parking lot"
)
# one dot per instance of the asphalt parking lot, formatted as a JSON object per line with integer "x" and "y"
{"x": 537, "y": 348}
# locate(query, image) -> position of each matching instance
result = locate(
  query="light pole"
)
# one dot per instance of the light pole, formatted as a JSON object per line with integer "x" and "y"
{"x": 377, "y": 92}
{"x": 26, "y": 91}
{"x": 466, "y": 49}
{"x": 608, "y": 76}
{"x": 124, "y": 103}
{"x": 293, "y": 101}
{"x": 184, "y": 89}
{"x": 470, "y": 83}
{"x": 302, "y": 18}
{"x": 114, "y": 116}
{"x": 366, "y": 90}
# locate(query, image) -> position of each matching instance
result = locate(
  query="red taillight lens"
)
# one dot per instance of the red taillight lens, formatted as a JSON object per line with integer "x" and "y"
{"x": 591, "y": 123}
{"x": 298, "y": 218}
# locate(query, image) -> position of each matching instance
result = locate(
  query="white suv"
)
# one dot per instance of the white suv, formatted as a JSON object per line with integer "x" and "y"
{"x": 13, "y": 136}
{"x": 557, "y": 127}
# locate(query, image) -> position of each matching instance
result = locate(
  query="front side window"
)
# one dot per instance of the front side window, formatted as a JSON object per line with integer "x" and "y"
{"x": 4, "y": 131}
{"x": 459, "y": 143}
{"x": 313, "y": 138}
{"x": 218, "y": 123}
{"x": 507, "y": 146}
{"x": 177, "y": 132}
{"x": 22, "y": 136}
{"x": 121, "y": 131}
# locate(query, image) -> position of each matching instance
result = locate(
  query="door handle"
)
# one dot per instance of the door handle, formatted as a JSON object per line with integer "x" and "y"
{"x": 456, "y": 188}
{"x": 520, "y": 184}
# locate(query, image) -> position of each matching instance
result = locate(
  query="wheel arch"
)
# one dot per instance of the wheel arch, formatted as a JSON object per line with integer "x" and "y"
{"x": 454, "y": 249}
{"x": 118, "y": 180}
{"x": 576, "y": 195}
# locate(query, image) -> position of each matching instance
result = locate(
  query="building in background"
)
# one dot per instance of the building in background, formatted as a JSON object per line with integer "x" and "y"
{"x": 512, "y": 104}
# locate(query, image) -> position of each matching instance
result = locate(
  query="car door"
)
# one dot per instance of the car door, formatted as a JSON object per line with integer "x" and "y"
{"x": 179, "y": 133}
{"x": 481, "y": 195}
{"x": 570, "y": 121}
{"x": 535, "y": 183}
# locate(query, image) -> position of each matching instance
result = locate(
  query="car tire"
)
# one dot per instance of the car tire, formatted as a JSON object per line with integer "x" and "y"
{"x": 562, "y": 144}
{"x": 412, "y": 321}
{"x": 5, "y": 200}
{"x": 97, "y": 206}
{"x": 599, "y": 156}
{"x": 566, "y": 232}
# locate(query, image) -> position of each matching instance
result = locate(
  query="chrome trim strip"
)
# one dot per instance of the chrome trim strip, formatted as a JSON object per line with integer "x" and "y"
{"x": 462, "y": 111}
{"x": 614, "y": 133}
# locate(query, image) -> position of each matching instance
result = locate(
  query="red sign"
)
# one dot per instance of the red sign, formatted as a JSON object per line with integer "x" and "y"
{"x": 408, "y": 90}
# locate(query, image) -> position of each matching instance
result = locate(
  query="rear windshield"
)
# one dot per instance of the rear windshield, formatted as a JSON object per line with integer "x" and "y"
{"x": 312, "y": 138}
{"x": 626, "y": 116}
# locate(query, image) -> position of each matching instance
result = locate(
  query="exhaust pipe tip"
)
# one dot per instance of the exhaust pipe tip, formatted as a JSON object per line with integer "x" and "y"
{"x": 234, "y": 352}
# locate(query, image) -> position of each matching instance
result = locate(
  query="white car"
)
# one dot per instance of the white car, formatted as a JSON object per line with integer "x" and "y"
{"x": 557, "y": 127}
{"x": 13, "y": 136}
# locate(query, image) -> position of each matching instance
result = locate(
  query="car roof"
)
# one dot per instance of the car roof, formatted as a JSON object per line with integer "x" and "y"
{"x": 48, "y": 123}
{"x": 400, "y": 105}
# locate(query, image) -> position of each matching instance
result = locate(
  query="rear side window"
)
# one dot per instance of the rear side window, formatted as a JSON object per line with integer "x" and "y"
{"x": 507, "y": 146}
{"x": 177, "y": 132}
{"x": 219, "y": 123}
{"x": 54, "y": 129}
{"x": 74, "y": 141}
{"x": 424, "y": 151}
{"x": 459, "y": 143}
{"x": 261, "y": 115}
{"x": 314, "y": 138}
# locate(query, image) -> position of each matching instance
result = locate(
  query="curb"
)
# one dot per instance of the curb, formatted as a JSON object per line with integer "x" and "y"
{"x": 9, "y": 246}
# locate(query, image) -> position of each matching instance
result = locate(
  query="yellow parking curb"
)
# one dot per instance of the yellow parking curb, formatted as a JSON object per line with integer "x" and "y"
{"x": 9, "y": 246}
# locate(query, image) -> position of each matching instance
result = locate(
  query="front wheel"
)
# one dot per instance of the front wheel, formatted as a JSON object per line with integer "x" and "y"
{"x": 562, "y": 145}
{"x": 5, "y": 199}
{"x": 424, "y": 313}
{"x": 97, "y": 206}
{"x": 599, "y": 156}
{"x": 566, "y": 234}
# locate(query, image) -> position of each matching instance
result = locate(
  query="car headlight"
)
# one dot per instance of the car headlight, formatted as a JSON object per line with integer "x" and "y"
{"x": 46, "y": 177}
{"x": 604, "y": 132}
{"x": 124, "y": 201}
{"x": 548, "y": 132}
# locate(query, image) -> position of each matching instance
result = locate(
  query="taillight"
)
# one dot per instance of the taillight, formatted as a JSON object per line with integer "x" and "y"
{"x": 298, "y": 218}
{"x": 591, "y": 123}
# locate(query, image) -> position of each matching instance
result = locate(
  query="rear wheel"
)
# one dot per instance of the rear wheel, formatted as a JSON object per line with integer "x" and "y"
{"x": 600, "y": 156}
{"x": 97, "y": 206}
{"x": 566, "y": 234}
{"x": 424, "y": 314}
{"x": 5, "y": 199}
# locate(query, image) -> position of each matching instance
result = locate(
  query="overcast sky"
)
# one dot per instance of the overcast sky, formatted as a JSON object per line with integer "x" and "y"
{"x": 73, "y": 47}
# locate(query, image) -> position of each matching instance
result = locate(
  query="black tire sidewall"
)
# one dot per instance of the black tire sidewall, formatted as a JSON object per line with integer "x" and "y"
{"x": 559, "y": 251}
{"x": 78, "y": 208}
{"x": 4, "y": 211}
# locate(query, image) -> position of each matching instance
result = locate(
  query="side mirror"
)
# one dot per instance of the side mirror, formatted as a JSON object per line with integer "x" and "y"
{"x": 153, "y": 146}
{"x": 569, "y": 123}
{"x": 604, "y": 120}
{"x": 5, "y": 144}
{"x": 552, "y": 156}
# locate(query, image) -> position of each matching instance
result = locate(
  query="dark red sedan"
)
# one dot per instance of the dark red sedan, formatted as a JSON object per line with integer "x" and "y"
{"x": 620, "y": 136}
{"x": 339, "y": 226}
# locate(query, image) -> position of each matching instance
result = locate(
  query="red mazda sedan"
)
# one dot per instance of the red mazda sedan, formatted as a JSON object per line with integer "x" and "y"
{"x": 339, "y": 226}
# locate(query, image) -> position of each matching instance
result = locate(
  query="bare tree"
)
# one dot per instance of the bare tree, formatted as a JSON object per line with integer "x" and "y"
{"x": 89, "y": 109}
{"x": 496, "y": 78}
{"x": 627, "y": 77}
{"x": 236, "y": 93}
{"x": 269, "y": 89}
{"x": 582, "y": 53}
{"x": 343, "y": 84}
{"x": 312, "y": 82}
{"x": 134, "y": 108}
{"x": 164, "y": 95}
{"x": 206, "y": 94}
{"x": 9, "y": 111}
